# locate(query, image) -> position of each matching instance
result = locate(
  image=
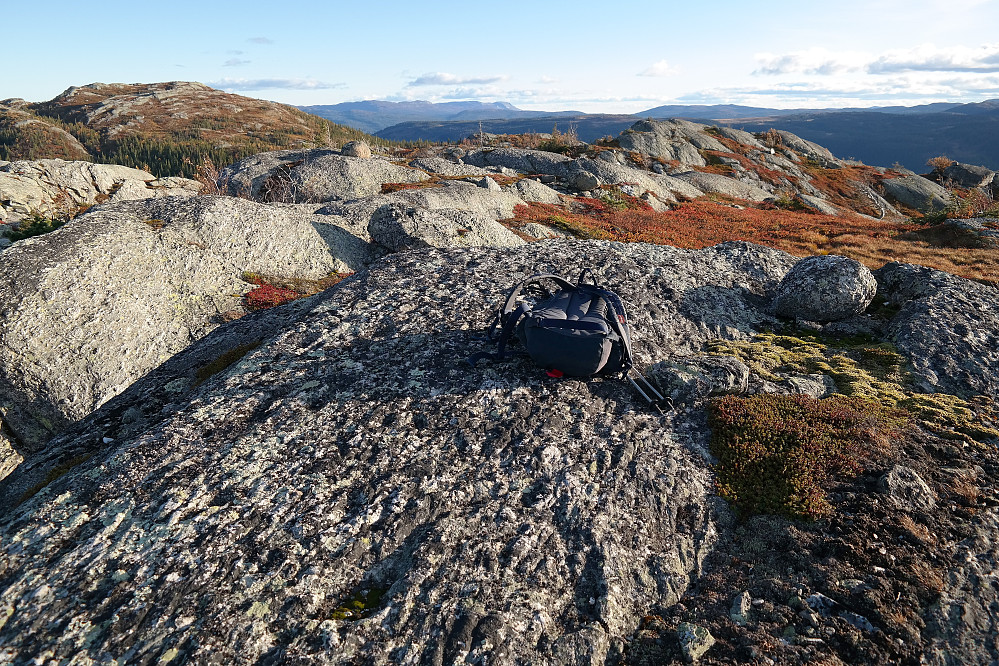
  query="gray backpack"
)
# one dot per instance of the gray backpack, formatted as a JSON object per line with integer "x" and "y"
{"x": 578, "y": 330}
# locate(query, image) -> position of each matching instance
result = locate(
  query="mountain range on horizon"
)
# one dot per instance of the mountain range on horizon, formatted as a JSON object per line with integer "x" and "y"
{"x": 171, "y": 127}
{"x": 907, "y": 135}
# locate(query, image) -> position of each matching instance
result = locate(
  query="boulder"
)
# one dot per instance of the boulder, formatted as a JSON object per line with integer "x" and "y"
{"x": 57, "y": 188}
{"x": 584, "y": 181}
{"x": 10, "y": 457}
{"x": 443, "y": 167}
{"x": 689, "y": 380}
{"x": 968, "y": 175}
{"x": 670, "y": 140}
{"x": 713, "y": 182}
{"x": 449, "y": 195}
{"x": 312, "y": 176}
{"x": 333, "y": 177}
{"x": 520, "y": 160}
{"x": 529, "y": 189}
{"x": 93, "y": 306}
{"x": 947, "y": 328}
{"x": 740, "y": 136}
{"x": 917, "y": 193}
{"x": 398, "y": 227}
{"x": 348, "y": 492}
{"x": 825, "y": 288}
{"x": 356, "y": 149}
{"x": 808, "y": 149}
{"x": 667, "y": 188}
{"x": 489, "y": 184}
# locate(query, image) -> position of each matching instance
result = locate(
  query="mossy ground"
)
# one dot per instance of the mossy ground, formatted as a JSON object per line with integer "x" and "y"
{"x": 360, "y": 605}
{"x": 54, "y": 474}
{"x": 223, "y": 361}
{"x": 778, "y": 453}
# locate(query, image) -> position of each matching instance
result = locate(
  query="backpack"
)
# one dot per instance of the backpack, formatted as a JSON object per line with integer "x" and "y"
{"x": 578, "y": 330}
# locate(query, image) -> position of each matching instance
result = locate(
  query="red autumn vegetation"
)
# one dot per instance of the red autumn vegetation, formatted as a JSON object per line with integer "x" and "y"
{"x": 706, "y": 222}
{"x": 272, "y": 291}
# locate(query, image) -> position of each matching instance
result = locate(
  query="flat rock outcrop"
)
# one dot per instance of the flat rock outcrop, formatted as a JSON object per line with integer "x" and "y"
{"x": 60, "y": 188}
{"x": 314, "y": 176}
{"x": 458, "y": 512}
{"x": 917, "y": 193}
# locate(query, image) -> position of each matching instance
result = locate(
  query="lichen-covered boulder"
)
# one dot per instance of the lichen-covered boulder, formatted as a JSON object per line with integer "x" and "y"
{"x": 825, "y": 288}
{"x": 947, "y": 327}
{"x": 313, "y": 176}
{"x": 917, "y": 193}
{"x": 59, "y": 188}
{"x": 673, "y": 139}
{"x": 356, "y": 149}
{"x": 398, "y": 227}
{"x": 93, "y": 306}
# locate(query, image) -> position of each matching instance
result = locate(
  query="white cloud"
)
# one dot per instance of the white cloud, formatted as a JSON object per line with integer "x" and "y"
{"x": 260, "y": 40}
{"x": 813, "y": 61}
{"x": 925, "y": 58}
{"x": 929, "y": 58}
{"x": 445, "y": 79}
{"x": 659, "y": 68}
{"x": 235, "y": 62}
{"x": 861, "y": 91}
{"x": 273, "y": 84}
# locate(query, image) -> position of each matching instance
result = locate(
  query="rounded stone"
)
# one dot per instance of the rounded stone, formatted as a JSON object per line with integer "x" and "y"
{"x": 825, "y": 288}
{"x": 584, "y": 180}
{"x": 356, "y": 149}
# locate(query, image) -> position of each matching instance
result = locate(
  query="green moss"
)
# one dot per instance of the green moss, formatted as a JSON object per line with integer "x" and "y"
{"x": 859, "y": 367}
{"x": 36, "y": 225}
{"x": 54, "y": 474}
{"x": 950, "y": 416}
{"x": 360, "y": 605}
{"x": 777, "y": 453}
{"x": 222, "y": 362}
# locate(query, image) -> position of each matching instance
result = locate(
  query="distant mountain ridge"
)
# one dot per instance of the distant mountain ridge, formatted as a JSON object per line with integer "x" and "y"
{"x": 167, "y": 128}
{"x": 374, "y": 115}
{"x": 882, "y": 135}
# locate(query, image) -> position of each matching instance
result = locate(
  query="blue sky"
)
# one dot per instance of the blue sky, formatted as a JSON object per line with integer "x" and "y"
{"x": 590, "y": 56}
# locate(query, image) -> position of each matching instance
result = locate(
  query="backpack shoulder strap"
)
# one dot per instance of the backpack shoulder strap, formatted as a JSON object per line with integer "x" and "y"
{"x": 510, "y": 314}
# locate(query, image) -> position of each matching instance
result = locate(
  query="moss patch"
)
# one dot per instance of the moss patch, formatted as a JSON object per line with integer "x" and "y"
{"x": 223, "y": 361}
{"x": 778, "y": 453}
{"x": 360, "y": 605}
{"x": 54, "y": 474}
{"x": 859, "y": 367}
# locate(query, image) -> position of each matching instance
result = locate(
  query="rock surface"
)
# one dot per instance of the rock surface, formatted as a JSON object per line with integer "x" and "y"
{"x": 824, "y": 289}
{"x": 59, "y": 188}
{"x": 678, "y": 140}
{"x": 947, "y": 327}
{"x": 492, "y": 511}
{"x": 713, "y": 182}
{"x": 125, "y": 287}
{"x": 968, "y": 175}
{"x": 313, "y": 176}
{"x": 356, "y": 149}
{"x": 917, "y": 193}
